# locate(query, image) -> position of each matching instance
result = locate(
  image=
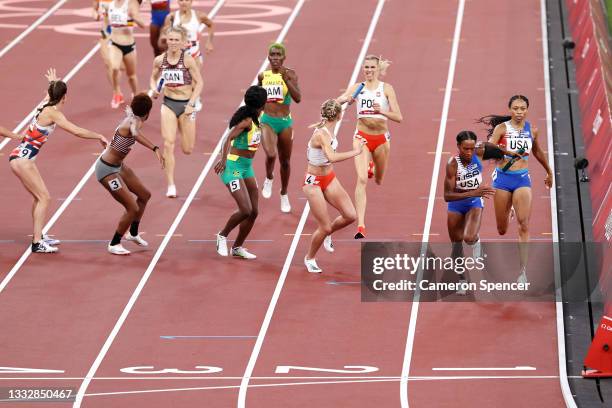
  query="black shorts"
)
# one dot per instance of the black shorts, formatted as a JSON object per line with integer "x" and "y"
{"x": 175, "y": 105}
{"x": 125, "y": 49}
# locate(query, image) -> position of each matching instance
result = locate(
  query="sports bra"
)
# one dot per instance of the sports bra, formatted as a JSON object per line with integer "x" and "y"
{"x": 316, "y": 155}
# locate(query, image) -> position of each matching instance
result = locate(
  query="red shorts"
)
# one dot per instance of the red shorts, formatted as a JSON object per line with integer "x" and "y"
{"x": 373, "y": 140}
{"x": 319, "y": 181}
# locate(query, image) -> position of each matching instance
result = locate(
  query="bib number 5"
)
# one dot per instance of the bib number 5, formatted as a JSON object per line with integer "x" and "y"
{"x": 234, "y": 185}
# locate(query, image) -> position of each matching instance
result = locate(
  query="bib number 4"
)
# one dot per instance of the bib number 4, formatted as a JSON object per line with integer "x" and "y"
{"x": 311, "y": 180}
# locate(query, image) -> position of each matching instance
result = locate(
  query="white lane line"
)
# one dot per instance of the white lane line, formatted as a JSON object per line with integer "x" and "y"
{"x": 170, "y": 233}
{"x": 364, "y": 377}
{"x": 244, "y": 384}
{"x": 71, "y": 197}
{"x": 517, "y": 368}
{"x": 356, "y": 381}
{"x": 430, "y": 204}
{"x": 32, "y": 27}
{"x": 67, "y": 78}
{"x": 563, "y": 377}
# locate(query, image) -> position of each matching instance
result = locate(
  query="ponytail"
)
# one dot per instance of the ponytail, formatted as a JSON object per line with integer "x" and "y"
{"x": 56, "y": 91}
{"x": 330, "y": 111}
{"x": 383, "y": 64}
{"x": 491, "y": 121}
{"x": 254, "y": 99}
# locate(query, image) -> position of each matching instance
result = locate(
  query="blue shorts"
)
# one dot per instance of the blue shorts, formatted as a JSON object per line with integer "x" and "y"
{"x": 463, "y": 206}
{"x": 158, "y": 17}
{"x": 511, "y": 180}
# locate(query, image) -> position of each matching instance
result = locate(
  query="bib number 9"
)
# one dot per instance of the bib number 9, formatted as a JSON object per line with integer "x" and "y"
{"x": 25, "y": 152}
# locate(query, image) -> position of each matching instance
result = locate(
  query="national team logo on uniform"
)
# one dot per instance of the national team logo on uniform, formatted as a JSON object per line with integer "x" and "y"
{"x": 236, "y": 173}
{"x": 378, "y": 94}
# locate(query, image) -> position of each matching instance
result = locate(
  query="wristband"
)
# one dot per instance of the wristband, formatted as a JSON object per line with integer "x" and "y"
{"x": 155, "y": 148}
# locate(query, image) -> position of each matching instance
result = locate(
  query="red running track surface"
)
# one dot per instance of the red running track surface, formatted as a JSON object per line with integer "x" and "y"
{"x": 61, "y": 308}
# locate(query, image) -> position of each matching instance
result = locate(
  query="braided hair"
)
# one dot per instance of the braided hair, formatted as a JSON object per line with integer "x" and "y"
{"x": 330, "y": 111}
{"x": 254, "y": 99}
{"x": 491, "y": 121}
{"x": 56, "y": 91}
{"x": 466, "y": 135}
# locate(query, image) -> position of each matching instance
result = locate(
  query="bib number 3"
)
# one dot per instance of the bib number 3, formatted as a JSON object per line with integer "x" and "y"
{"x": 114, "y": 184}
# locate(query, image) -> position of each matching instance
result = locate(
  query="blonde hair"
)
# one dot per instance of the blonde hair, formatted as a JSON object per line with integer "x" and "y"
{"x": 383, "y": 64}
{"x": 175, "y": 29}
{"x": 330, "y": 111}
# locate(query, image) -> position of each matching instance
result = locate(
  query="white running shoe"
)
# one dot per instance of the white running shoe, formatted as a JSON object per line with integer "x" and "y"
{"x": 522, "y": 278}
{"x": 51, "y": 241}
{"x": 136, "y": 239}
{"x": 266, "y": 191}
{"x": 285, "y": 206}
{"x": 222, "y": 245}
{"x": 328, "y": 244}
{"x": 171, "y": 193}
{"x": 117, "y": 249}
{"x": 312, "y": 266}
{"x": 42, "y": 247}
{"x": 241, "y": 252}
{"x": 476, "y": 250}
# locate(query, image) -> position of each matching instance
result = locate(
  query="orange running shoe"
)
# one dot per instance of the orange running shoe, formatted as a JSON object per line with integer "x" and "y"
{"x": 360, "y": 232}
{"x": 371, "y": 169}
{"x": 117, "y": 100}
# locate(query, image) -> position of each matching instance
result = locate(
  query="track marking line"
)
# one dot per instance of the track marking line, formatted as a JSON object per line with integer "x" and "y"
{"x": 216, "y": 378}
{"x": 244, "y": 384}
{"x": 414, "y": 310}
{"x": 340, "y": 381}
{"x": 517, "y": 368}
{"x": 66, "y": 79}
{"x": 563, "y": 377}
{"x": 205, "y": 337}
{"x": 31, "y": 28}
{"x": 173, "y": 227}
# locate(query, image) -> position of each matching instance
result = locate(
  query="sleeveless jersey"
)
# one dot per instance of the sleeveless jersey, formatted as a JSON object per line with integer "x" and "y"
{"x": 468, "y": 177}
{"x": 275, "y": 86}
{"x": 365, "y": 102}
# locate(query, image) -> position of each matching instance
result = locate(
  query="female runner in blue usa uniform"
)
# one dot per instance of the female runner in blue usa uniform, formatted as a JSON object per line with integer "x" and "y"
{"x": 464, "y": 192}
{"x": 511, "y": 178}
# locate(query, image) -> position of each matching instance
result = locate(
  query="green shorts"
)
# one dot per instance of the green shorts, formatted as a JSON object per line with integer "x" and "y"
{"x": 237, "y": 167}
{"x": 276, "y": 124}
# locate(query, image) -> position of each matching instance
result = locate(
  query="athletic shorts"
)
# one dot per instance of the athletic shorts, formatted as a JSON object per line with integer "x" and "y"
{"x": 24, "y": 150}
{"x": 319, "y": 181}
{"x": 373, "y": 140}
{"x": 236, "y": 168}
{"x": 177, "y": 106}
{"x": 511, "y": 180}
{"x": 125, "y": 49}
{"x": 103, "y": 169}
{"x": 465, "y": 205}
{"x": 276, "y": 124}
{"x": 158, "y": 17}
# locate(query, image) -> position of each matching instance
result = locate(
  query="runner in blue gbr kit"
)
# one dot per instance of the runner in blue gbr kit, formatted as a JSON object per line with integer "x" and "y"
{"x": 511, "y": 177}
